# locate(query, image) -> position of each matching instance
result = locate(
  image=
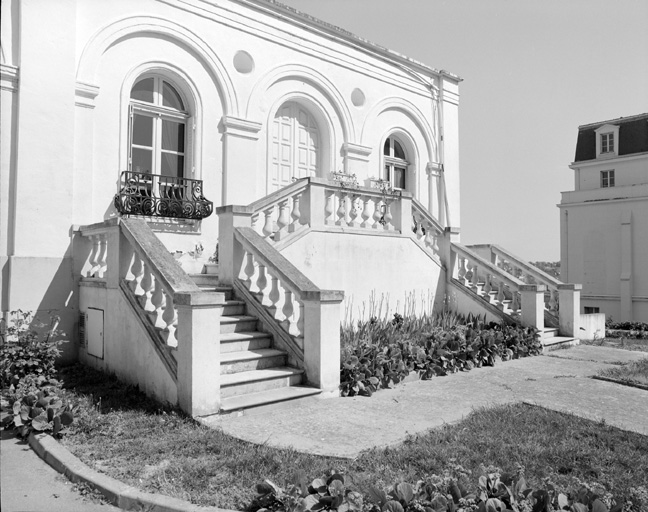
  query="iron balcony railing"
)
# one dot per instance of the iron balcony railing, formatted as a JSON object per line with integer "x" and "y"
{"x": 161, "y": 196}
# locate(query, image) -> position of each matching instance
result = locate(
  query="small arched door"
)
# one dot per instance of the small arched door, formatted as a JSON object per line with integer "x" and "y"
{"x": 295, "y": 146}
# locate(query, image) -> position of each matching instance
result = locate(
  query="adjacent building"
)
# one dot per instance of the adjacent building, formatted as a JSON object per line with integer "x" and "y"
{"x": 604, "y": 220}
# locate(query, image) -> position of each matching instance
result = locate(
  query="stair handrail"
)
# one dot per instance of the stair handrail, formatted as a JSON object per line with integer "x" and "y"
{"x": 153, "y": 252}
{"x": 280, "y": 195}
{"x": 539, "y": 275}
{"x": 511, "y": 281}
{"x": 417, "y": 207}
{"x": 291, "y": 275}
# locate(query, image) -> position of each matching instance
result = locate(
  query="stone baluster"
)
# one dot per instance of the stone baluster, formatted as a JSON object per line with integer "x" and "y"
{"x": 170, "y": 320}
{"x": 287, "y": 310}
{"x": 102, "y": 263}
{"x": 341, "y": 211}
{"x": 274, "y": 296}
{"x": 500, "y": 294}
{"x": 137, "y": 271}
{"x": 329, "y": 211}
{"x": 261, "y": 284}
{"x": 366, "y": 212}
{"x": 387, "y": 217}
{"x": 474, "y": 278}
{"x": 353, "y": 211}
{"x": 462, "y": 270}
{"x": 283, "y": 219}
{"x": 248, "y": 271}
{"x": 488, "y": 287}
{"x": 158, "y": 302}
{"x": 515, "y": 301}
{"x": 147, "y": 287}
{"x": 268, "y": 227}
{"x": 295, "y": 215}
{"x": 377, "y": 215}
{"x": 94, "y": 256}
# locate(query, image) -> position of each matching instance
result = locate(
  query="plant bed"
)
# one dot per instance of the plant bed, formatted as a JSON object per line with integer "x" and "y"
{"x": 628, "y": 330}
{"x": 379, "y": 354}
{"x": 127, "y": 436}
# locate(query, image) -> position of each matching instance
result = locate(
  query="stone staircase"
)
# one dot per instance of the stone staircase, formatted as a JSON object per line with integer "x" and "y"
{"x": 551, "y": 340}
{"x": 253, "y": 372}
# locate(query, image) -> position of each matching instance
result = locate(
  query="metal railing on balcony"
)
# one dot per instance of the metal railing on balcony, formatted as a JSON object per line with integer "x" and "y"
{"x": 161, "y": 196}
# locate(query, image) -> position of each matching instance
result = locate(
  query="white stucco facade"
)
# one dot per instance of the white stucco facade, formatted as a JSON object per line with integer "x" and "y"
{"x": 604, "y": 220}
{"x": 246, "y": 70}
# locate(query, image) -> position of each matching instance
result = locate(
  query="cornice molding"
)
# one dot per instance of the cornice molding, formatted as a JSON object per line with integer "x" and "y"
{"x": 606, "y": 161}
{"x": 9, "y": 77}
{"x": 357, "y": 152}
{"x": 85, "y": 95}
{"x": 242, "y": 128}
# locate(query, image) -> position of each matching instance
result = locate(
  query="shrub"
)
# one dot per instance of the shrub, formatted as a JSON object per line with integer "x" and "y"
{"x": 453, "y": 492}
{"x": 28, "y": 351}
{"x": 39, "y": 412}
{"x": 385, "y": 354}
{"x": 30, "y": 399}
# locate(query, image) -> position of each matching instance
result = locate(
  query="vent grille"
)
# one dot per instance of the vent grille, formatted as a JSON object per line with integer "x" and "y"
{"x": 82, "y": 330}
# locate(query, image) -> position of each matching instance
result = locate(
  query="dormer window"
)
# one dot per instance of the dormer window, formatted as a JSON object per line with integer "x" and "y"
{"x": 607, "y": 141}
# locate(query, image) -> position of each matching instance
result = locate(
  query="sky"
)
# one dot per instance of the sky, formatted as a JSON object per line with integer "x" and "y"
{"x": 533, "y": 72}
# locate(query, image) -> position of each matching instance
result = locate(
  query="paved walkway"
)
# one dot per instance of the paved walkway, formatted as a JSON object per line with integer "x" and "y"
{"x": 558, "y": 381}
{"x": 30, "y": 485}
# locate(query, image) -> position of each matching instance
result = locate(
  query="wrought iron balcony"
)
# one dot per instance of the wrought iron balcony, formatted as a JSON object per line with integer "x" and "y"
{"x": 161, "y": 196}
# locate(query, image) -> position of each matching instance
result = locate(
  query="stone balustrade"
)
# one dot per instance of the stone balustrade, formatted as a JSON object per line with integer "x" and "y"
{"x": 308, "y": 315}
{"x": 427, "y": 231}
{"x": 557, "y": 296}
{"x": 517, "y": 299}
{"x": 321, "y": 203}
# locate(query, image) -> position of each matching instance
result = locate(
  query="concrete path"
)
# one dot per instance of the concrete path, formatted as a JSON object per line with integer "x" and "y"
{"x": 29, "y": 484}
{"x": 558, "y": 381}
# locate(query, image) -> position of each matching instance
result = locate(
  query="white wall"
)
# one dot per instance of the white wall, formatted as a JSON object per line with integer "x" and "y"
{"x": 128, "y": 352}
{"x": 77, "y": 60}
{"x": 370, "y": 268}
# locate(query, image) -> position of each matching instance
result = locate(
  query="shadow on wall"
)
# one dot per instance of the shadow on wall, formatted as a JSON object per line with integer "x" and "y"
{"x": 60, "y": 299}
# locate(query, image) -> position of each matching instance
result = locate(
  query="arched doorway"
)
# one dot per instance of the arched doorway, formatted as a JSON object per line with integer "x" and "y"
{"x": 295, "y": 146}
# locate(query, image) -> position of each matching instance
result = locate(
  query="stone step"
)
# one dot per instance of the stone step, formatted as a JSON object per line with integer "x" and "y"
{"x": 234, "y": 307}
{"x": 238, "y": 323}
{"x": 557, "y": 342}
{"x": 204, "y": 279}
{"x": 243, "y": 383}
{"x": 246, "y": 360}
{"x": 237, "y": 341}
{"x": 277, "y": 398}
{"x": 549, "y": 332}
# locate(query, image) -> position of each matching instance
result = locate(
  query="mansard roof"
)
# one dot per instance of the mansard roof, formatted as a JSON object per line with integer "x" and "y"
{"x": 633, "y": 137}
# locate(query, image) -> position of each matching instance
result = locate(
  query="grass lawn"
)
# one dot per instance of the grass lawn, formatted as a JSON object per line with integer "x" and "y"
{"x": 624, "y": 343}
{"x": 634, "y": 373}
{"x": 126, "y": 435}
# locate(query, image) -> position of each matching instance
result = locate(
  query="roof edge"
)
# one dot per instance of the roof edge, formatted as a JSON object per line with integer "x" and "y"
{"x": 613, "y": 121}
{"x": 291, "y": 12}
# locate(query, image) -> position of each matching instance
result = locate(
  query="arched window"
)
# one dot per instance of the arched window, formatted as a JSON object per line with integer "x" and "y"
{"x": 395, "y": 163}
{"x": 295, "y": 145}
{"x": 158, "y": 128}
